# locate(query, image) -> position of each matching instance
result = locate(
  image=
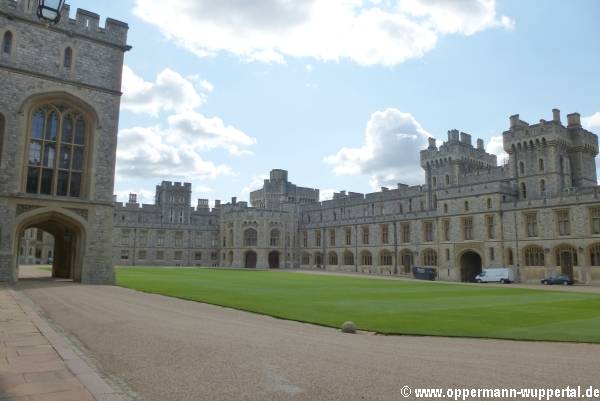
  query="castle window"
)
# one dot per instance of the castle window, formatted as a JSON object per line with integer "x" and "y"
{"x": 543, "y": 187}
{"x": 250, "y": 237}
{"x": 348, "y": 258}
{"x": 365, "y": 235}
{"x": 534, "y": 256}
{"x": 305, "y": 258}
{"x": 466, "y": 206}
{"x": 198, "y": 255}
{"x": 57, "y": 149}
{"x": 595, "y": 220}
{"x": 491, "y": 227}
{"x": 447, "y": 254}
{"x": 511, "y": 260}
{"x": 348, "y": 236}
{"x": 445, "y": 208}
{"x": 7, "y": 42}
{"x": 428, "y": 231}
{"x": 564, "y": 223}
{"x": 405, "y": 232}
{"x": 385, "y": 235}
{"x": 318, "y": 238}
{"x": 124, "y": 254}
{"x": 366, "y": 259}
{"x": 68, "y": 58}
{"x": 385, "y": 258}
{"x": 333, "y": 258}
{"x": 429, "y": 257}
{"x": 531, "y": 224}
{"x": 447, "y": 179}
{"x": 1, "y": 135}
{"x": 523, "y": 191}
{"x": 142, "y": 255}
{"x": 489, "y": 203}
{"x": 305, "y": 239}
{"x": 541, "y": 164}
{"x": 468, "y": 228}
{"x": 275, "y": 237}
{"x": 434, "y": 182}
{"x": 521, "y": 167}
{"x": 595, "y": 255}
{"x": 332, "y": 237}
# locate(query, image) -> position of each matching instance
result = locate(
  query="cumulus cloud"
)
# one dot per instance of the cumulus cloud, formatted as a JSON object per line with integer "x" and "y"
{"x": 495, "y": 147}
{"x": 390, "y": 153}
{"x": 173, "y": 148}
{"x": 365, "y": 31}
{"x": 592, "y": 122}
{"x": 256, "y": 182}
{"x": 170, "y": 92}
{"x": 326, "y": 194}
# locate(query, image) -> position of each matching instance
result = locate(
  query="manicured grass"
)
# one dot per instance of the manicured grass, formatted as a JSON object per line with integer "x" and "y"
{"x": 384, "y": 306}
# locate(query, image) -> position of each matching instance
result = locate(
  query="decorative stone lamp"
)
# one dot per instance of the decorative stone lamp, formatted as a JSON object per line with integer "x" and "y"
{"x": 49, "y": 10}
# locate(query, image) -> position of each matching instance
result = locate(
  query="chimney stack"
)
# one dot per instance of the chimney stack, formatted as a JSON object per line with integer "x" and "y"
{"x": 132, "y": 198}
{"x": 574, "y": 120}
{"x": 556, "y": 115}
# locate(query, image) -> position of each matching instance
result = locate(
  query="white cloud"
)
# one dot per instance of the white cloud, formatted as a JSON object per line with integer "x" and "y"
{"x": 390, "y": 153}
{"x": 367, "y": 32}
{"x": 495, "y": 147}
{"x": 170, "y": 92}
{"x": 143, "y": 195}
{"x": 326, "y": 194}
{"x": 173, "y": 149}
{"x": 592, "y": 122}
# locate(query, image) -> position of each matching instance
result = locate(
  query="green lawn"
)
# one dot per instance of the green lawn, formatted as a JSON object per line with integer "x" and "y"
{"x": 384, "y": 306}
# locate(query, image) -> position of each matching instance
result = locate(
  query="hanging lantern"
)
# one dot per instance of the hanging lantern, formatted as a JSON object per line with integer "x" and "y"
{"x": 49, "y": 10}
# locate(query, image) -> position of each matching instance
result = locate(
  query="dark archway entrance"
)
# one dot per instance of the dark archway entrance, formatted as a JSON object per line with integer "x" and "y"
{"x": 250, "y": 260}
{"x": 470, "y": 266}
{"x": 274, "y": 260}
{"x": 69, "y": 243}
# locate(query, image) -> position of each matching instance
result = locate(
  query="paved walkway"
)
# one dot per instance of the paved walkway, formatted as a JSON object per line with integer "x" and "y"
{"x": 167, "y": 349}
{"x": 37, "y": 364}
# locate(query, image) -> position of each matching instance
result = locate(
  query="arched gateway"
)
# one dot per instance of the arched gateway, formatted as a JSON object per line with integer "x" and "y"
{"x": 470, "y": 266}
{"x": 250, "y": 260}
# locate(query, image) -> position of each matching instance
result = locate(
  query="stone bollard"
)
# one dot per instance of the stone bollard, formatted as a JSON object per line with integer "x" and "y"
{"x": 349, "y": 327}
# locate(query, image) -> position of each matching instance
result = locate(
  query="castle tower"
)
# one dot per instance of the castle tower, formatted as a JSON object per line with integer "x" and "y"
{"x": 59, "y": 113}
{"x": 174, "y": 200}
{"x": 548, "y": 158}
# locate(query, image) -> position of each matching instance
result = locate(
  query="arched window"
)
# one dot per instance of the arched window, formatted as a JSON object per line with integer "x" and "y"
{"x": 306, "y": 258}
{"x": 366, "y": 259}
{"x": 566, "y": 254}
{"x": 333, "y": 258}
{"x": 510, "y": 257}
{"x": 318, "y": 259}
{"x": 595, "y": 255}
{"x": 447, "y": 179}
{"x": 275, "y": 237}
{"x": 250, "y": 237}
{"x": 542, "y": 186}
{"x": 523, "y": 191}
{"x": 429, "y": 257}
{"x": 534, "y": 256}
{"x": 434, "y": 181}
{"x": 348, "y": 258}
{"x": 231, "y": 238}
{"x": 385, "y": 258}
{"x": 445, "y": 208}
{"x": 541, "y": 164}
{"x": 466, "y": 206}
{"x": 68, "y": 58}
{"x": 489, "y": 203}
{"x": 57, "y": 152}
{"x": 521, "y": 167}
{"x": 7, "y": 42}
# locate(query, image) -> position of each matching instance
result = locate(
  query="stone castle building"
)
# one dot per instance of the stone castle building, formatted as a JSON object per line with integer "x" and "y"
{"x": 539, "y": 213}
{"x": 59, "y": 111}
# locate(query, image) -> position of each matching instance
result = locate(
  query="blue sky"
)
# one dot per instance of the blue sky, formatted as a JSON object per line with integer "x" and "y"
{"x": 219, "y": 93}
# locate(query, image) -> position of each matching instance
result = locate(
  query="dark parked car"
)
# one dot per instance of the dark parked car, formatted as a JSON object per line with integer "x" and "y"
{"x": 558, "y": 279}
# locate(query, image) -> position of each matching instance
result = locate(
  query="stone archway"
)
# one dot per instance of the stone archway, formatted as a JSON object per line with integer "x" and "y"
{"x": 470, "y": 266}
{"x": 250, "y": 260}
{"x": 274, "y": 260}
{"x": 69, "y": 242}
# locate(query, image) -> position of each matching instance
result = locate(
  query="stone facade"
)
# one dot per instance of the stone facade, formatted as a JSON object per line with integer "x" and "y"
{"x": 37, "y": 247}
{"x": 59, "y": 113}
{"x": 539, "y": 213}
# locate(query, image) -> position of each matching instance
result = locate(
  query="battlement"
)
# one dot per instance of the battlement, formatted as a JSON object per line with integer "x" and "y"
{"x": 175, "y": 185}
{"x": 457, "y": 148}
{"x": 86, "y": 23}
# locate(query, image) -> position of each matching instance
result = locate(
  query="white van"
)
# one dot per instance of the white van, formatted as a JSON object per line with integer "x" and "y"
{"x": 502, "y": 275}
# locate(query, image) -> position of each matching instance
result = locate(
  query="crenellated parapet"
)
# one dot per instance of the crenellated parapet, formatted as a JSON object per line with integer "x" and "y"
{"x": 85, "y": 24}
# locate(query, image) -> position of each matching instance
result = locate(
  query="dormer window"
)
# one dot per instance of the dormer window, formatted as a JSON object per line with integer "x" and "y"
{"x": 68, "y": 58}
{"x": 7, "y": 41}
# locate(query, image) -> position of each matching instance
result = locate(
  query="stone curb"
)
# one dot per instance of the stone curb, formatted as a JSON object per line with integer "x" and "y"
{"x": 85, "y": 374}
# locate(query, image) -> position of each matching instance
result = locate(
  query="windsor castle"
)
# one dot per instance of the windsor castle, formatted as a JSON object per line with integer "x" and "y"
{"x": 538, "y": 213}
{"x": 59, "y": 110}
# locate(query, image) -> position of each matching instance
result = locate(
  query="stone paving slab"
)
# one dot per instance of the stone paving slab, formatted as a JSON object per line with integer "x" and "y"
{"x": 38, "y": 364}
